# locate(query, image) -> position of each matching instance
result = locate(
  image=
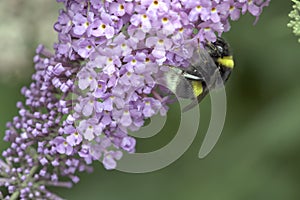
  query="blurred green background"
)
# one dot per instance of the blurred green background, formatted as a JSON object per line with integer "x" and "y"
{"x": 257, "y": 156}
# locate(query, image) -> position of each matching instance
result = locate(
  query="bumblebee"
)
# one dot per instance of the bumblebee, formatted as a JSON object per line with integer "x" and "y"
{"x": 209, "y": 68}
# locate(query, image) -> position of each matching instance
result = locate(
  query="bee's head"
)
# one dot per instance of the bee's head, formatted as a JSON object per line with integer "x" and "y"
{"x": 222, "y": 47}
{"x": 218, "y": 49}
{"x": 220, "y": 52}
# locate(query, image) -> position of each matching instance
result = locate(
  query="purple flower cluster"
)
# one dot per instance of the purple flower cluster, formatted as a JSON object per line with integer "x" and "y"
{"x": 37, "y": 136}
{"x": 101, "y": 83}
{"x": 86, "y": 26}
{"x": 122, "y": 46}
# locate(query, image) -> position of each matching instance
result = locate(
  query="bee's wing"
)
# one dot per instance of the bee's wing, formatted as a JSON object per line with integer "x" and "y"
{"x": 174, "y": 80}
{"x": 203, "y": 65}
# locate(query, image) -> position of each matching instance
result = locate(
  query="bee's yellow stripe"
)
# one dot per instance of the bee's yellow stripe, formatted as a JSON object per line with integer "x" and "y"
{"x": 197, "y": 88}
{"x": 226, "y": 61}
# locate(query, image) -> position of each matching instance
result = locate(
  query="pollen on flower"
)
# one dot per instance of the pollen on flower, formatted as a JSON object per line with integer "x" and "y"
{"x": 165, "y": 19}
{"x": 109, "y": 60}
{"x": 133, "y": 61}
{"x": 160, "y": 41}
